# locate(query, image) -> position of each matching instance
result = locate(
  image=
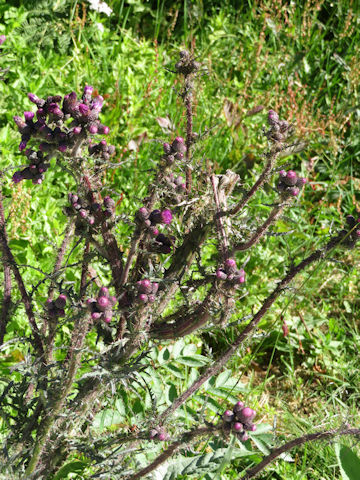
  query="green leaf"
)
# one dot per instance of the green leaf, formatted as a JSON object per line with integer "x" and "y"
{"x": 195, "y": 360}
{"x": 189, "y": 350}
{"x": 175, "y": 371}
{"x": 72, "y": 467}
{"x": 262, "y": 446}
{"x": 172, "y": 393}
{"x": 223, "y": 378}
{"x": 349, "y": 462}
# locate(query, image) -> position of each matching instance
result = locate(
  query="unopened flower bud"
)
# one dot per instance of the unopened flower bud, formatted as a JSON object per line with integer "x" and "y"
{"x": 230, "y": 265}
{"x": 143, "y": 298}
{"x": 102, "y": 303}
{"x": 60, "y": 302}
{"x": 294, "y": 191}
{"x": 167, "y": 148}
{"x": 144, "y": 286}
{"x": 291, "y": 178}
{"x": 237, "y": 426}
{"x": 220, "y": 274}
{"x": 246, "y": 415}
{"x": 273, "y": 117}
{"x": 153, "y": 433}
{"x": 228, "y": 416}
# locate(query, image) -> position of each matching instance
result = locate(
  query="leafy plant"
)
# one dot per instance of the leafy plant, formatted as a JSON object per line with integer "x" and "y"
{"x": 93, "y": 320}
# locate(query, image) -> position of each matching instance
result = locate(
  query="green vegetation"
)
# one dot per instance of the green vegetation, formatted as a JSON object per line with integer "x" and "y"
{"x": 300, "y": 59}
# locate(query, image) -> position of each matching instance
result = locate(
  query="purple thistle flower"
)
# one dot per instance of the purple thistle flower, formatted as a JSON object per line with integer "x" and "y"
{"x": 104, "y": 130}
{"x": 28, "y": 116}
{"x": 83, "y": 109}
{"x": 230, "y": 265}
{"x": 166, "y": 216}
{"x": 228, "y": 416}
{"x": 102, "y": 303}
{"x": 93, "y": 129}
{"x": 88, "y": 90}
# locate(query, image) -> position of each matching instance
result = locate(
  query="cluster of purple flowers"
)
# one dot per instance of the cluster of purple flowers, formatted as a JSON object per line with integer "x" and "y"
{"x": 289, "y": 184}
{"x": 158, "y": 434}
{"x": 149, "y": 220}
{"x": 352, "y": 235}
{"x": 230, "y": 273}
{"x": 146, "y": 291}
{"x": 175, "y": 151}
{"x": 2, "y": 39}
{"x": 36, "y": 169}
{"x": 60, "y": 128}
{"x": 92, "y": 213}
{"x": 56, "y": 307}
{"x": 101, "y": 306}
{"x": 239, "y": 420}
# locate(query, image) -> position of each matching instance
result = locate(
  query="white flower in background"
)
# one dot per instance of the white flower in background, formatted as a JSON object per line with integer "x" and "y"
{"x": 100, "y": 27}
{"x": 100, "y": 7}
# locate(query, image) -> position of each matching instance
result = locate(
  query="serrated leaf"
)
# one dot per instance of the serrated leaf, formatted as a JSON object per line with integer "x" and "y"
{"x": 262, "y": 428}
{"x": 262, "y": 446}
{"x": 195, "y": 360}
{"x": 349, "y": 462}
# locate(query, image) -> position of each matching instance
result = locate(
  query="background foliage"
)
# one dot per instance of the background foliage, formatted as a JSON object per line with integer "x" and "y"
{"x": 299, "y": 58}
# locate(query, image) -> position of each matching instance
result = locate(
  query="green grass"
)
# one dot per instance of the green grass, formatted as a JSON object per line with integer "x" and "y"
{"x": 299, "y": 58}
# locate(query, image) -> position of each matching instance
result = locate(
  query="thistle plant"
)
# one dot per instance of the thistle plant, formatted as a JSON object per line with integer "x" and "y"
{"x": 161, "y": 286}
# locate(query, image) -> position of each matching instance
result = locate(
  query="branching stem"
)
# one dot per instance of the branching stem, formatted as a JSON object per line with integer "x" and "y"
{"x": 311, "y": 437}
{"x": 216, "y": 367}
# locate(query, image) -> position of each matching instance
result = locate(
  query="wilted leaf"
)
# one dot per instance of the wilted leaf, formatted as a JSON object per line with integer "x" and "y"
{"x": 231, "y": 113}
{"x": 165, "y": 123}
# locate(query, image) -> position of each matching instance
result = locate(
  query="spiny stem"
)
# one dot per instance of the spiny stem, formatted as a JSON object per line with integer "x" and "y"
{"x": 61, "y": 253}
{"x": 10, "y": 260}
{"x": 221, "y": 230}
{"x": 184, "y": 325}
{"x": 186, "y": 437}
{"x": 220, "y": 362}
{"x": 260, "y": 232}
{"x": 311, "y": 437}
{"x": 7, "y": 281}
{"x": 84, "y": 270}
{"x": 49, "y": 419}
{"x": 138, "y": 234}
